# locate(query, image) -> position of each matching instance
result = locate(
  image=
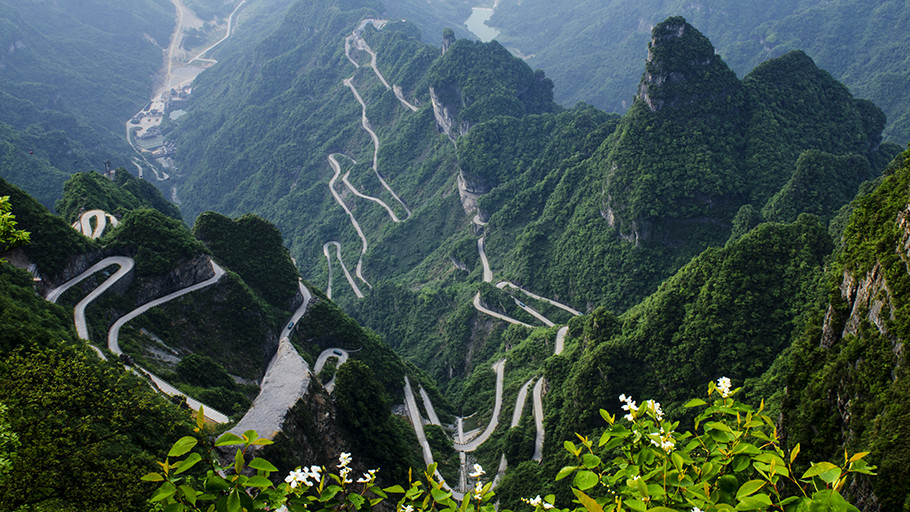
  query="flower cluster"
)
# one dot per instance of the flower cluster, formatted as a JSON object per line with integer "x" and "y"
{"x": 723, "y": 385}
{"x": 538, "y": 502}
{"x": 630, "y": 406}
{"x": 633, "y": 408}
{"x": 343, "y": 467}
{"x": 368, "y": 477}
{"x": 302, "y": 476}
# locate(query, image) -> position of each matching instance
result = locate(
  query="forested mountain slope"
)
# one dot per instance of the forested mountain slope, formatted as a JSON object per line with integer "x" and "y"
{"x": 591, "y": 48}
{"x": 847, "y": 382}
{"x": 214, "y": 342}
{"x": 72, "y": 74}
{"x": 579, "y": 206}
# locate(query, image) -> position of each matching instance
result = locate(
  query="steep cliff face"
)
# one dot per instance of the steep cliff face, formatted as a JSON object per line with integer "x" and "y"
{"x": 848, "y": 384}
{"x": 683, "y": 68}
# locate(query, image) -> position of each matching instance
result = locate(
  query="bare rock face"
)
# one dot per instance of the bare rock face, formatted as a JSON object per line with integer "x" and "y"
{"x": 188, "y": 273}
{"x": 682, "y": 68}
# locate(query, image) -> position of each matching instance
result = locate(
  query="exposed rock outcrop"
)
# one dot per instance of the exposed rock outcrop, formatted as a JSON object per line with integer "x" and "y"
{"x": 188, "y": 273}
{"x": 683, "y": 68}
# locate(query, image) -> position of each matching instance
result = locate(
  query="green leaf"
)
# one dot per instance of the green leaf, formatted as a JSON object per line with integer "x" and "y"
{"x": 741, "y": 462}
{"x": 394, "y": 488}
{"x": 570, "y": 447}
{"x": 183, "y": 445}
{"x": 818, "y": 468}
{"x": 584, "y": 480}
{"x": 636, "y": 505}
{"x": 189, "y": 493}
{"x": 152, "y": 477}
{"x": 590, "y": 460}
{"x": 695, "y": 402}
{"x": 749, "y": 488}
{"x": 587, "y": 501}
{"x": 757, "y": 502}
{"x": 439, "y": 495}
{"x": 564, "y": 472}
{"x": 258, "y": 481}
{"x": 166, "y": 490}
{"x": 188, "y": 463}
{"x": 793, "y": 453}
{"x": 661, "y": 509}
{"x": 175, "y": 507}
{"x": 828, "y": 500}
{"x": 233, "y": 502}
{"x": 262, "y": 465}
{"x": 238, "y": 461}
{"x": 262, "y": 442}
{"x": 227, "y": 439}
{"x": 356, "y": 500}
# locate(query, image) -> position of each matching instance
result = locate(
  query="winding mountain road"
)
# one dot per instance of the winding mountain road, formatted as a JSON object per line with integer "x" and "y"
{"x": 285, "y": 381}
{"x": 126, "y": 266}
{"x": 470, "y": 446}
{"x": 560, "y": 305}
{"x": 560, "y": 340}
{"x": 520, "y": 403}
{"x": 84, "y": 223}
{"x": 365, "y": 123}
{"x": 336, "y": 352}
{"x": 479, "y": 307}
{"x": 336, "y": 167}
{"x": 227, "y": 35}
{"x": 344, "y": 268}
{"x": 538, "y": 419}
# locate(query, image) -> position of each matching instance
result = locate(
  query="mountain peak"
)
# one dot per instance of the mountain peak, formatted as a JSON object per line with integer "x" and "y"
{"x": 682, "y": 65}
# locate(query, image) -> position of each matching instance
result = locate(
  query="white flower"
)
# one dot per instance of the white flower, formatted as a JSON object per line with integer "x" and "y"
{"x": 343, "y": 473}
{"x": 478, "y": 470}
{"x": 548, "y": 506}
{"x": 668, "y": 444}
{"x": 655, "y": 406}
{"x": 365, "y": 478}
{"x": 535, "y": 502}
{"x": 314, "y": 473}
{"x": 696, "y": 509}
{"x": 478, "y": 488}
{"x": 407, "y": 508}
{"x": 629, "y": 417}
{"x": 296, "y": 477}
{"x": 723, "y": 385}
{"x": 344, "y": 459}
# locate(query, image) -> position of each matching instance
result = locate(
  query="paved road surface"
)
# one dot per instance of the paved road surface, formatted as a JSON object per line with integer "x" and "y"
{"x": 538, "y": 297}
{"x": 102, "y": 218}
{"x": 487, "y": 272}
{"x": 538, "y": 419}
{"x": 434, "y": 419}
{"x": 520, "y": 403}
{"x": 472, "y": 445}
{"x": 223, "y": 39}
{"x": 479, "y": 307}
{"x": 365, "y": 122}
{"x": 126, "y": 265}
{"x": 114, "y": 333}
{"x": 336, "y": 167}
{"x": 285, "y": 381}
{"x": 561, "y": 339}
{"x": 324, "y": 356}
{"x": 344, "y": 268}
{"x": 376, "y": 200}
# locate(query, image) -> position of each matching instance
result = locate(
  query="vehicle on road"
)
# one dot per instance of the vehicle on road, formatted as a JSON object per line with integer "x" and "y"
{"x": 337, "y": 352}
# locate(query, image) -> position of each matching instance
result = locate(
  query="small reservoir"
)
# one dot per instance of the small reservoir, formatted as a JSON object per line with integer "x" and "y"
{"x": 477, "y": 24}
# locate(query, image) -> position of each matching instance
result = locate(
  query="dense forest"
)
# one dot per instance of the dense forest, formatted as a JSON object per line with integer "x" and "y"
{"x": 436, "y": 214}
